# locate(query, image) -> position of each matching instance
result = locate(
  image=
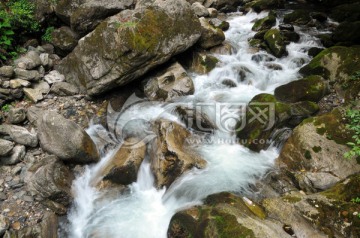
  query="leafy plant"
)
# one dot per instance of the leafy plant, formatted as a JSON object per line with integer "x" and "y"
{"x": 355, "y": 200}
{"x": 6, "y": 37}
{"x": 47, "y": 35}
{"x": 354, "y": 125}
{"x": 6, "y": 108}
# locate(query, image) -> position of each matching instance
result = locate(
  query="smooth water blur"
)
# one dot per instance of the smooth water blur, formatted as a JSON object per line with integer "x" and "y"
{"x": 144, "y": 211}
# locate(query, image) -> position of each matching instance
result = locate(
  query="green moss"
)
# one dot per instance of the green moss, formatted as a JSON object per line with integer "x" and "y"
{"x": 264, "y": 23}
{"x": 299, "y": 17}
{"x": 316, "y": 149}
{"x": 345, "y": 190}
{"x": 275, "y": 42}
{"x": 308, "y": 155}
{"x": 291, "y": 199}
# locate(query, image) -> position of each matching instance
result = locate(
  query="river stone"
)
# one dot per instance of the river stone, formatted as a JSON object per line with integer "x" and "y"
{"x": 18, "y": 83}
{"x": 17, "y": 115}
{"x": 129, "y": 44}
{"x": 21, "y": 135}
{"x": 30, "y": 60}
{"x": 50, "y": 180}
{"x": 33, "y": 94}
{"x": 275, "y": 42}
{"x": 211, "y": 36}
{"x": 318, "y": 145}
{"x": 64, "y": 89}
{"x": 73, "y": 144}
{"x": 4, "y": 224}
{"x": 30, "y": 75}
{"x": 169, "y": 83}
{"x": 17, "y": 154}
{"x": 53, "y": 77}
{"x": 311, "y": 88}
{"x": 170, "y": 155}
{"x": 199, "y": 9}
{"x": 90, "y": 13}
{"x": 5, "y": 147}
{"x": 224, "y": 215}
{"x": 124, "y": 165}
{"x": 6, "y": 71}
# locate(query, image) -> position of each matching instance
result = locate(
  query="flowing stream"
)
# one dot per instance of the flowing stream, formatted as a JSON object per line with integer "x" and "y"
{"x": 144, "y": 211}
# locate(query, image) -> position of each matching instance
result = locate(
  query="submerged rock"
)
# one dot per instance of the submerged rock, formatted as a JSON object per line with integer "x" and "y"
{"x": 129, "y": 44}
{"x": 171, "y": 156}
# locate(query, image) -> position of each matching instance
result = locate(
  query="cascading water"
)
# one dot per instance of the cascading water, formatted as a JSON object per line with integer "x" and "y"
{"x": 144, "y": 211}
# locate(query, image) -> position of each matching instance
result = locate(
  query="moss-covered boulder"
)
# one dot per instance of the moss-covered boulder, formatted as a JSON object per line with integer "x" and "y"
{"x": 346, "y": 12}
{"x": 337, "y": 64}
{"x": 314, "y": 154}
{"x": 255, "y": 132}
{"x": 298, "y": 17}
{"x": 64, "y": 40}
{"x": 347, "y": 33}
{"x": 265, "y": 23}
{"x": 224, "y": 215}
{"x": 275, "y": 42}
{"x": 260, "y": 5}
{"x": 311, "y": 88}
{"x": 168, "y": 83}
{"x": 129, "y": 44}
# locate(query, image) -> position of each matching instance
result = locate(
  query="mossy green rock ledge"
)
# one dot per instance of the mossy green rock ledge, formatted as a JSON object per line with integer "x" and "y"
{"x": 311, "y": 88}
{"x": 129, "y": 44}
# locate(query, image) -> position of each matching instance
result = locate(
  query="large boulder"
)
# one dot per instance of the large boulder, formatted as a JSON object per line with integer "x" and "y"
{"x": 347, "y": 33}
{"x": 311, "y": 88}
{"x": 224, "y": 215}
{"x": 50, "y": 182}
{"x": 346, "y": 12}
{"x": 169, "y": 83}
{"x": 171, "y": 156}
{"x": 260, "y": 5}
{"x": 265, "y": 23}
{"x": 65, "y": 139}
{"x": 129, "y": 44}
{"x": 337, "y": 64}
{"x": 124, "y": 165}
{"x": 314, "y": 154}
{"x": 89, "y": 14}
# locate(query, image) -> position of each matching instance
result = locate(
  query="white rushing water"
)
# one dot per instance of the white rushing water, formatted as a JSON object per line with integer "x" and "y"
{"x": 144, "y": 211}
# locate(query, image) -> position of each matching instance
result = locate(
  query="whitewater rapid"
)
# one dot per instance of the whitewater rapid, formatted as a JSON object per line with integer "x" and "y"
{"x": 144, "y": 211}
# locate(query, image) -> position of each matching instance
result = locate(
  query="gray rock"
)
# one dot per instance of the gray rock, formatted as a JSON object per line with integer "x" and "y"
{"x": 30, "y": 75}
{"x": 5, "y": 147}
{"x": 64, "y": 40}
{"x": 17, "y": 154}
{"x": 34, "y": 114}
{"x": 33, "y": 94}
{"x": 53, "y": 77}
{"x": 30, "y": 60}
{"x": 85, "y": 18}
{"x": 199, "y": 9}
{"x": 19, "y": 83}
{"x": 6, "y": 71}
{"x": 213, "y": 12}
{"x": 73, "y": 144}
{"x": 211, "y": 36}
{"x": 42, "y": 87}
{"x": 45, "y": 60}
{"x": 170, "y": 83}
{"x": 21, "y": 135}
{"x": 17, "y": 115}
{"x": 104, "y": 59}
{"x": 124, "y": 165}
{"x": 4, "y": 224}
{"x": 50, "y": 180}
{"x": 316, "y": 181}
{"x": 64, "y": 89}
